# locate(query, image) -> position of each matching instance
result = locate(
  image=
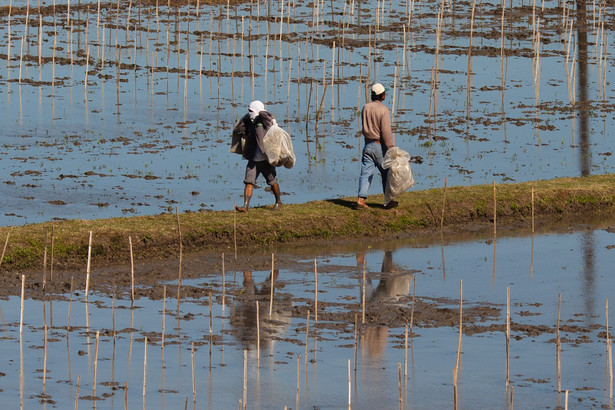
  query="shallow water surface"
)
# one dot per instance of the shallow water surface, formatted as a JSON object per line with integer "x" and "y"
{"x": 143, "y": 125}
{"x": 537, "y": 270}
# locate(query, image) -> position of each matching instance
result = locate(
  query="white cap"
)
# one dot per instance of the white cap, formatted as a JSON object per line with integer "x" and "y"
{"x": 378, "y": 89}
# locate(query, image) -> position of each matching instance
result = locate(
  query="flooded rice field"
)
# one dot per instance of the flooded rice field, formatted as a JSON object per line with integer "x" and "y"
{"x": 123, "y": 108}
{"x": 383, "y": 331}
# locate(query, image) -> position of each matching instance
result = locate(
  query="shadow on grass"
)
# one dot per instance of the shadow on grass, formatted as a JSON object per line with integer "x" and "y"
{"x": 351, "y": 204}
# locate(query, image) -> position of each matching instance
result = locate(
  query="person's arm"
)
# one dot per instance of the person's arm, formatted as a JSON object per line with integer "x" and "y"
{"x": 386, "y": 134}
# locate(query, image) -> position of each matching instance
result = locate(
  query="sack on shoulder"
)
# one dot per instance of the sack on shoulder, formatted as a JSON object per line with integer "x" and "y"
{"x": 279, "y": 147}
{"x": 238, "y": 139}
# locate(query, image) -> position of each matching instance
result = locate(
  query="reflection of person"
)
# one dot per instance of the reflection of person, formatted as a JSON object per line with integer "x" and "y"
{"x": 243, "y": 318}
{"x": 392, "y": 286}
{"x": 256, "y": 122}
{"x": 376, "y": 128}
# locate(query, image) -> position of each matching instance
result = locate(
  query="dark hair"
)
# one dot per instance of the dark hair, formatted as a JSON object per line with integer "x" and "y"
{"x": 378, "y": 97}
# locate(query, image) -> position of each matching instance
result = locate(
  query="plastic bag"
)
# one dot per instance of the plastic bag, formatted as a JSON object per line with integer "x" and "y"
{"x": 399, "y": 178}
{"x": 279, "y": 147}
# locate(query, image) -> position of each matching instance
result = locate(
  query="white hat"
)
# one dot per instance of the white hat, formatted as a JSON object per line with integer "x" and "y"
{"x": 378, "y": 89}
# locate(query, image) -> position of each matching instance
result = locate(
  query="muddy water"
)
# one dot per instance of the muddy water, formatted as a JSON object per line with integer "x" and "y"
{"x": 143, "y": 126}
{"x": 402, "y": 281}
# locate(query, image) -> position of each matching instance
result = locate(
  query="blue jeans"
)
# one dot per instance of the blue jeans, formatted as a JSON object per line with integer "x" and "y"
{"x": 371, "y": 158}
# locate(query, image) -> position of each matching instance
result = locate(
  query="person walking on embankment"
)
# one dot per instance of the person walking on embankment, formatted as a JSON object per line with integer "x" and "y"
{"x": 376, "y": 129}
{"x": 256, "y": 123}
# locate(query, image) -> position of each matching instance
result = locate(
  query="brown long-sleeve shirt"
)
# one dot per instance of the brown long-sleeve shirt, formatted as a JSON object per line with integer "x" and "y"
{"x": 376, "y": 121}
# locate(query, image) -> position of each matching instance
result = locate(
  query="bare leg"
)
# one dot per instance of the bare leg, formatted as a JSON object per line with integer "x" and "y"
{"x": 247, "y": 194}
{"x": 275, "y": 188}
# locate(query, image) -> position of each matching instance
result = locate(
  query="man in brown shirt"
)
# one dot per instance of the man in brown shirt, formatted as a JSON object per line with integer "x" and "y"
{"x": 376, "y": 129}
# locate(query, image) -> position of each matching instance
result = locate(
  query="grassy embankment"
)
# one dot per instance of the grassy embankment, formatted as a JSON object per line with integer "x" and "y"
{"x": 157, "y": 236}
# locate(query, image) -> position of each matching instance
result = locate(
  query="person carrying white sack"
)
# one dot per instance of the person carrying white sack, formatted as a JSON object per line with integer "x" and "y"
{"x": 256, "y": 122}
{"x": 376, "y": 129}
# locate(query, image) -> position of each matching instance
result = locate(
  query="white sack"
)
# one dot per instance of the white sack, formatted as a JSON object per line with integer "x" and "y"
{"x": 279, "y": 147}
{"x": 399, "y": 178}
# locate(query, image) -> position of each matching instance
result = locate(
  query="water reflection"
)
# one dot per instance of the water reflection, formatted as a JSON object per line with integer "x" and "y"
{"x": 582, "y": 104}
{"x": 244, "y": 313}
{"x": 392, "y": 286}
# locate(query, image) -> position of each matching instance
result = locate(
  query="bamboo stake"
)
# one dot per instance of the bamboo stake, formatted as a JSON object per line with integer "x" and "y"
{"x": 23, "y": 287}
{"x": 315, "y": 292}
{"x": 363, "y": 295}
{"x": 307, "y": 340}
{"x": 211, "y": 328}
{"x": 401, "y": 399}
{"x": 258, "y": 331}
{"x": 235, "y": 223}
{"x": 298, "y": 380}
{"x": 558, "y": 345}
{"x": 78, "y": 383}
{"x": 193, "y": 377}
{"x": 356, "y": 340}
{"x": 132, "y": 272}
{"x": 245, "y": 379}
{"x": 164, "y": 310}
{"x": 70, "y": 300}
{"x": 272, "y": 285}
{"x": 52, "y": 252}
{"x": 87, "y": 277}
{"x": 349, "y": 386}
{"x": 181, "y": 248}
{"x": 45, "y": 359}
{"x": 144, "y": 368}
{"x": 6, "y": 242}
{"x": 413, "y": 302}
{"x": 532, "y": 210}
{"x": 460, "y": 324}
{"x": 223, "y": 285}
{"x": 507, "y": 336}
{"x": 95, "y": 365}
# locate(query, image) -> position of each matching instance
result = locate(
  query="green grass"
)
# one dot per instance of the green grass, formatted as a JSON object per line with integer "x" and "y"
{"x": 156, "y": 237}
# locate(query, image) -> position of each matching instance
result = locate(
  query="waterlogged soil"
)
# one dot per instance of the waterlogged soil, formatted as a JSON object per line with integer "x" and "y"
{"x": 152, "y": 280}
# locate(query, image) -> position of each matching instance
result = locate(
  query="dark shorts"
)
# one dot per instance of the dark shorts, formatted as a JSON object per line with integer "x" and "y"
{"x": 264, "y": 168}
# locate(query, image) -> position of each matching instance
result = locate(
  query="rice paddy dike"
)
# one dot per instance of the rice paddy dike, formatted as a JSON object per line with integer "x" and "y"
{"x": 446, "y": 211}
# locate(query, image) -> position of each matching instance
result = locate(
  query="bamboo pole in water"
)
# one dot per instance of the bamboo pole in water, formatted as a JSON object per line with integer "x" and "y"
{"x": 52, "y": 253}
{"x": 245, "y": 379}
{"x": 70, "y": 300}
{"x": 507, "y": 336}
{"x": 307, "y": 339}
{"x": 132, "y": 271}
{"x": 298, "y": 380}
{"x": 181, "y": 249}
{"x": 164, "y": 310}
{"x": 95, "y": 366}
{"x": 235, "y": 223}
{"x": 315, "y": 292}
{"x": 77, "y": 389}
{"x": 144, "y": 369}
{"x": 460, "y": 325}
{"x": 258, "y": 332}
{"x": 87, "y": 277}
{"x": 193, "y": 376}
{"x": 356, "y": 340}
{"x": 272, "y": 285}
{"x": 399, "y": 384}
{"x": 349, "y": 386}
{"x": 45, "y": 358}
{"x": 363, "y": 294}
{"x": 223, "y": 285}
